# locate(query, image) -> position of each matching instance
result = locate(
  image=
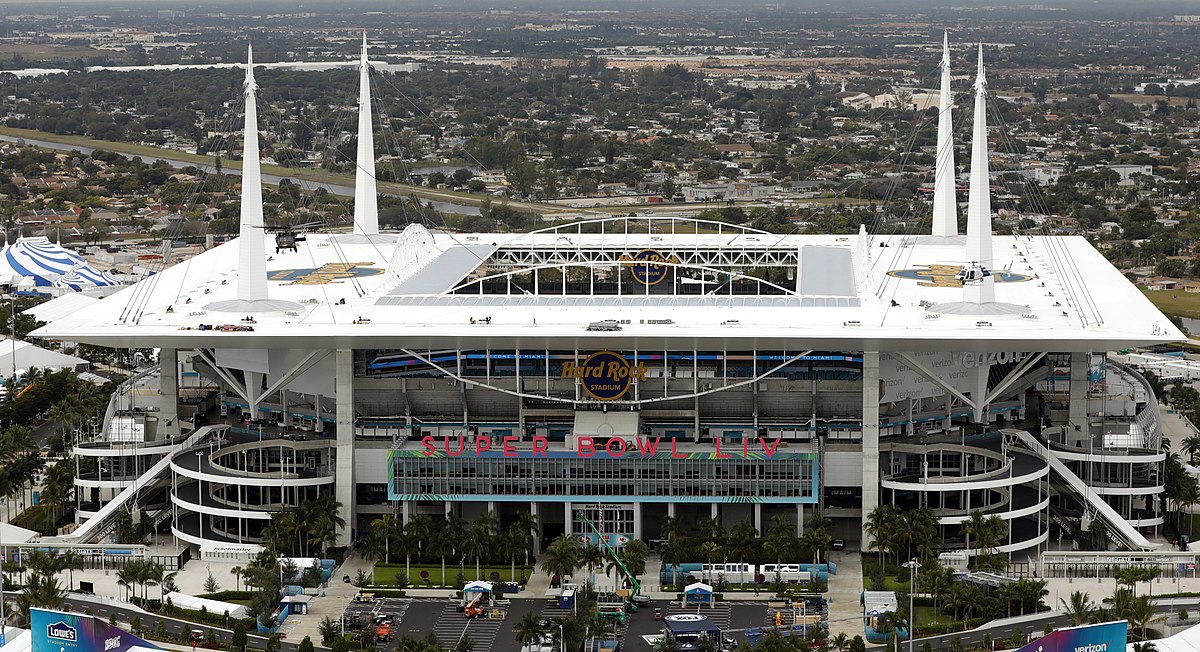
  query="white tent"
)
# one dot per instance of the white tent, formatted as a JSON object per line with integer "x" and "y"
{"x": 12, "y": 534}
{"x": 212, "y": 606}
{"x": 59, "y": 307}
{"x": 17, "y": 640}
{"x": 48, "y": 265}
{"x": 21, "y": 356}
{"x": 1186, "y": 641}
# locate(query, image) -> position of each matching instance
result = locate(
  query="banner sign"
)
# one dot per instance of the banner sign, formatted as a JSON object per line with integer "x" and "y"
{"x": 1105, "y": 637}
{"x": 59, "y": 631}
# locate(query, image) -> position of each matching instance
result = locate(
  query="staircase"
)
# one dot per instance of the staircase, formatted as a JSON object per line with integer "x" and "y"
{"x": 1118, "y": 527}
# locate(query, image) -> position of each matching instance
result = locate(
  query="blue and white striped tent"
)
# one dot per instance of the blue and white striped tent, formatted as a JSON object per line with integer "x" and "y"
{"x": 49, "y": 265}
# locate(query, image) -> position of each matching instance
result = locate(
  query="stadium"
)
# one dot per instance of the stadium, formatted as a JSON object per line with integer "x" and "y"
{"x": 629, "y": 369}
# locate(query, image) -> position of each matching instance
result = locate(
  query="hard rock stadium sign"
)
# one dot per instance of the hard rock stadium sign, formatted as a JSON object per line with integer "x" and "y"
{"x": 604, "y": 375}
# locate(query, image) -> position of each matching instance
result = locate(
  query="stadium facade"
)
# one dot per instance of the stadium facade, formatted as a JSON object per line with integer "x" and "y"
{"x": 631, "y": 368}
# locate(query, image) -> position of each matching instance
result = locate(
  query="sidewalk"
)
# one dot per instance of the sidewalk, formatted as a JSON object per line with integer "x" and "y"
{"x": 845, "y": 613}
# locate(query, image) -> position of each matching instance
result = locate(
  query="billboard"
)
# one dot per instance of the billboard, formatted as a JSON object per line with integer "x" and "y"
{"x": 59, "y": 631}
{"x": 1105, "y": 637}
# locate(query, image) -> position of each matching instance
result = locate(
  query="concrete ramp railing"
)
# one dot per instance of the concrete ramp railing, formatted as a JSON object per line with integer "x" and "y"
{"x": 1116, "y": 524}
{"x": 100, "y": 523}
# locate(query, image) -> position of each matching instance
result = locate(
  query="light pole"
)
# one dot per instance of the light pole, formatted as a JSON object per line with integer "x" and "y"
{"x": 912, "y": 587}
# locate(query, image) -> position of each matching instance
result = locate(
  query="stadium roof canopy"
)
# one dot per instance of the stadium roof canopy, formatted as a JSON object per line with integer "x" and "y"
{"x": 827, "y": 292}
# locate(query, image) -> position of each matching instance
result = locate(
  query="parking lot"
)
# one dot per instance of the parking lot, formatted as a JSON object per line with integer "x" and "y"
{"x": 418, "y": 618}
{"x": 360, "y": 617}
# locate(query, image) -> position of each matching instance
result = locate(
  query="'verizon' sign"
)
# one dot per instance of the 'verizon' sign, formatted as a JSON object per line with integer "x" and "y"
{"x": 604, "y": 375}
{"x": 1105, "y": 637}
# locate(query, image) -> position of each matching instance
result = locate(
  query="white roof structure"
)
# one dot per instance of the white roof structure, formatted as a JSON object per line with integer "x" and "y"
{"x": 212, "y": 606}
{"x": 48, "y": 264}
{"x": 24, "y": 356}
{"x": 879, "y": 602}
{"x": 698, "y": 587}
{"x": 60, "y": 306}
{"x": 12, "y": 534}
{"x": 364, "y": 296}
{"x": 17, "y": 640}
{"x": 1186, "y": 641}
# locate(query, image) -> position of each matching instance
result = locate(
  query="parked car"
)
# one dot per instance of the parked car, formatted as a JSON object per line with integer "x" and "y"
{"x": 839, "y": 544}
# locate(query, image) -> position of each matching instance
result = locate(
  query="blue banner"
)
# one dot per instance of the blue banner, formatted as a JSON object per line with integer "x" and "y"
{"x": 58, "y": 631}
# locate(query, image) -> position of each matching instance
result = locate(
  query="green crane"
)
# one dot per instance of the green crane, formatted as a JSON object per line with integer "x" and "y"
{"x": 637, "y": 586}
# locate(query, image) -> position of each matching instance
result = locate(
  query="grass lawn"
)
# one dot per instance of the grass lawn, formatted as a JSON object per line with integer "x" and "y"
{"x": 1176, "y": 302}
{"x": 385, "y": 574}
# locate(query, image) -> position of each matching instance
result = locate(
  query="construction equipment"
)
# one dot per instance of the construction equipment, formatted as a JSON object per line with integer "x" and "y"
{"x": 637, "y": 586}
{"x": 474, "y": 608}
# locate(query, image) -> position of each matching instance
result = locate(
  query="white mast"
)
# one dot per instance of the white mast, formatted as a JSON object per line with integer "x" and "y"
{"x": 252, "y": 254}
{"x": 366, "y": 207}
{"x": 979, "y": 204}
{"x": 252, "y": 250}
{"x": 945, "y": 204}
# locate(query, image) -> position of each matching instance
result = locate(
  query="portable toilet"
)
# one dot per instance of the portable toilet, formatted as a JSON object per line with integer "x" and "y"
{"x": 566, "y": 599}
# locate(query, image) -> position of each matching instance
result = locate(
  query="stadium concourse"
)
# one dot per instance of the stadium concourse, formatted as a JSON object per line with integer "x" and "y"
{"x": 622, "y": 370}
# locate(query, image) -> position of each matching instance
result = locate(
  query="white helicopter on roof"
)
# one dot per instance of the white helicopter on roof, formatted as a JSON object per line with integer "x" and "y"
{"x": 974, "y": 273}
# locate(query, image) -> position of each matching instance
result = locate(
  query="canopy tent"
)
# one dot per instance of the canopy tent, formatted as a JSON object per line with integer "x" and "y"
{"x": 213, "y": 606}
{"x": 478, "y": 587}
{"x": 48, "y": 265}
{"x": 20, "y": 356}
{"x": 698, "y": 593}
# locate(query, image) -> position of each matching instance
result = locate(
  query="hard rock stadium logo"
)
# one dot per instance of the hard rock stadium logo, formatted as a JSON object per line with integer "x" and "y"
{"x": 325, "y": 274}
{"x": 943, "y": 276}
{"x": 645, "y": 266}
{"x": 604, "y": 375}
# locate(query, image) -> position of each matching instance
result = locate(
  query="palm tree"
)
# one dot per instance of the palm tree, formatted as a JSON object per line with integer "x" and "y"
{"x": 881, "y": 527}
{"x": 1191, "y": 448}
{"x": 741, "y": 544}
{"x": 815, "y": 540}
{"x": 71, "y": 562}
{"x": 40, "y": 591}
{"x": 1079, "y": 608}
{"x": 711, "y": 552}
{"x": 840, "y": 642}
{"x": 561, "y": 557}
{"x": 480, "y": 538}
{"x": 441, "y": 546}
{"x": 152, "y": 575}
{"x": 527, "y": 523}
{"x": 374, "y": 548}
{"x": 921, "y": 532}
{"x": 237, "y": 577}
{"x": 386, "y": 527}
{"x": 633, "y": 555}
{"x": 591, "y": 557}
{"x": 1140, "y": 614}
{"x": 673, "y": 554}
{"x": 529, "y": 630}
{"x": 419, "y": 529}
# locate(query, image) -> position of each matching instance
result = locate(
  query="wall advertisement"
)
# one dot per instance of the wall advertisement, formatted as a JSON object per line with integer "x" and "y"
{"x": 59, "y": 631}
{"x": 1105, "y": 637}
